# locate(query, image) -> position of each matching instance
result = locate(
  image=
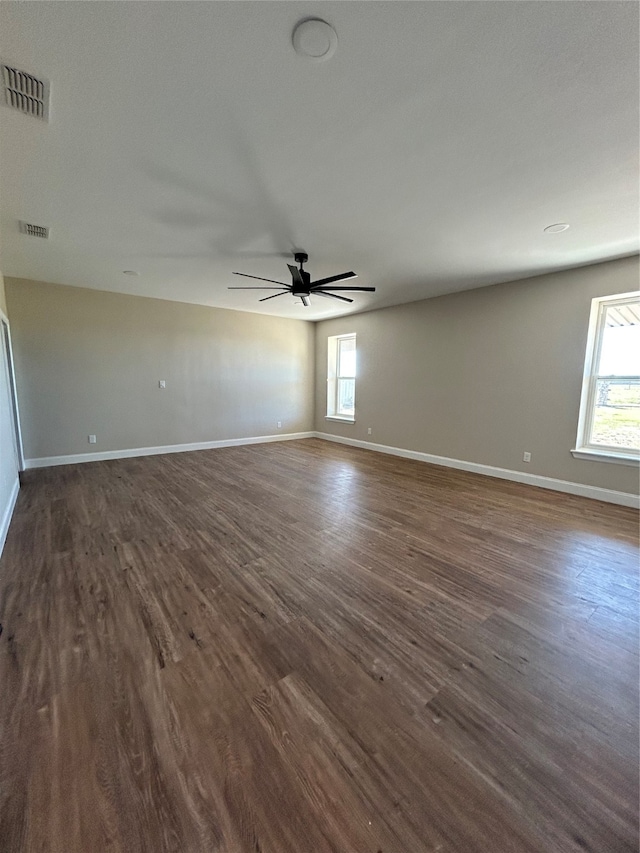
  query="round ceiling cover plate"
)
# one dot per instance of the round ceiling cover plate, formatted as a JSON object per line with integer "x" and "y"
{"x": 558, "y": 228}
{"x": 315, "y": 40}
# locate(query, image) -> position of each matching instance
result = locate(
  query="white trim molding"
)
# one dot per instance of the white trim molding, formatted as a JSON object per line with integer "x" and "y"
{"x": 8, "y": 513}
{"x": 580, "y": 489}
{"x": 127, "y": 453}
{"x": 594, "y": 492}
{"x": 605, "y": 456}
{"x": 13, "y": 388}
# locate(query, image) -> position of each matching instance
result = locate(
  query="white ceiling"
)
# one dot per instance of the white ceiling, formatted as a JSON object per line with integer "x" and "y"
{"x": 188, "y": 140}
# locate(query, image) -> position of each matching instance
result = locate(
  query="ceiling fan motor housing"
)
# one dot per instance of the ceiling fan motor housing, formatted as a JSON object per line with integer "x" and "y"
{"x": 305, "y": 287}
{"x": 300, "y": 289}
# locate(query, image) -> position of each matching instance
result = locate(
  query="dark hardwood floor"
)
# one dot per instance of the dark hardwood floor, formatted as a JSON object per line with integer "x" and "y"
{"x": 303, "y": 648}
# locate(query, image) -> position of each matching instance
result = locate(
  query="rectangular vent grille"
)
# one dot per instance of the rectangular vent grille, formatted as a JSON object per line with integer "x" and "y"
{"x": 34, "y": 230}
{"x": 25, "y": 92}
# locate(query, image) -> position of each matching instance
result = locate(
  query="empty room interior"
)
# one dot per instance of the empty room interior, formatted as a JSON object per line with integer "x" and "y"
{"x": 319, "y": 427}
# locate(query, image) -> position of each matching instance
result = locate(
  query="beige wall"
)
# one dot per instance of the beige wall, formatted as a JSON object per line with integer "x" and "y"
{"x": 483, "y": 375}
{"x": 478, "y": 376}
{"x": 88, "y": 361}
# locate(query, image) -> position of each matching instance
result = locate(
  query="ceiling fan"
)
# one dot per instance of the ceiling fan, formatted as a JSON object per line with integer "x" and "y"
{"x": 302, "y": 287}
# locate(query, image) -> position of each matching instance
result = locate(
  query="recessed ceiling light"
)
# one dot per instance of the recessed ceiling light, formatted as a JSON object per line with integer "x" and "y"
{"x": 315, "y": 40}
{"x": 130, "y": 272}
{"x": 557, "y": 228}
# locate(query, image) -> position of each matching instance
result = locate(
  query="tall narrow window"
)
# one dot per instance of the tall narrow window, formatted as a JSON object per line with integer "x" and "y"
{"x": 341, "y": 377}
{"x": 609, "y": 423}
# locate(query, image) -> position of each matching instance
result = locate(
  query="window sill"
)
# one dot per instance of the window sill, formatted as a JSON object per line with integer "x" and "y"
{"x": 605, "y": 456}
{"x": 340, "y": 419}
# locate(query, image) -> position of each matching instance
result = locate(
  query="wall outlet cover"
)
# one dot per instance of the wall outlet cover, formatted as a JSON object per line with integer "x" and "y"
{"x": 92, "y": 439}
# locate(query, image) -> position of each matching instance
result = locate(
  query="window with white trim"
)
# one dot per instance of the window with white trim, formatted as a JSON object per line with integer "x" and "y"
{"x": 341, "y": 377}
{"x": 609, "y": 424}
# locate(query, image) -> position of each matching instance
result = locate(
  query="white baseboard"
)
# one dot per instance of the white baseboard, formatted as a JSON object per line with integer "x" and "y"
{"x": 595, "y": 492}
{"x": 8, "y": 512}
{"x": 73, "y": 459}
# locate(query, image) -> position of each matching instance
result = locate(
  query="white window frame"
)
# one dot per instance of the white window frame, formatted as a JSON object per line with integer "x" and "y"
{"x": 333, "y": 350}
{"x": 584, "y": 449}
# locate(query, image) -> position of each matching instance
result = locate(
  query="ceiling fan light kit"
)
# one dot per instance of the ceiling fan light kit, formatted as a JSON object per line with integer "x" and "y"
{"x": 302, "y": 287}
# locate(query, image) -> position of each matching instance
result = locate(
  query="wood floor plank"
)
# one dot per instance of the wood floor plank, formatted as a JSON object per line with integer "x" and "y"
{"x": 308, "y": 648}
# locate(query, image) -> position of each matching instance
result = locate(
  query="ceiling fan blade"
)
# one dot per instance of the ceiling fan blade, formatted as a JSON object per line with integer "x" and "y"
{"x": 331, "y": 295}
{"x": 273, "y": 296}
{"x": 258, "y": 287}
{"x": 295, "y": 273}
{"x": 353, "y": 289}
{"x": 281, "y": 283}
{"x": 343, "y": 277}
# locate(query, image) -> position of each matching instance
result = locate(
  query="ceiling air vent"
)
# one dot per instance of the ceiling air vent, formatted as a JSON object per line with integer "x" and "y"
{"x": 34, "y": 230}
{"x": 25, "y": 92}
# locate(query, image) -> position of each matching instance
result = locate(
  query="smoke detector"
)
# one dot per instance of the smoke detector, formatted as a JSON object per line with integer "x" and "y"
{"x": 25, "y": 92}
{"x": 315, "y": 40}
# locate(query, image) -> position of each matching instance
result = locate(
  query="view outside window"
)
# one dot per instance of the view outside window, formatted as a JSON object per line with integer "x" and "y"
{"x": 346, "y": 376}
{"x": 616, "y": 392}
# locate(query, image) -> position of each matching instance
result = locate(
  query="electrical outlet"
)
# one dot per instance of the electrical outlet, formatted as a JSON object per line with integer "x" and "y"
{"x": 279, "y": 424}
{"x": 368, "y": 430}
{"x": 526, "y": 456}
{"x": 92, "y": 439}
{"x": 162, "y": 383}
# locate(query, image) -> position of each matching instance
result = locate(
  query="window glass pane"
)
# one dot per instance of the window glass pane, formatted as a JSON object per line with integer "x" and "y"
{"x": 347, "y": 357}
{"x": 620, "y": 351}
{"x": 346, "y": 394}
{"x": 616, "y": 418}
